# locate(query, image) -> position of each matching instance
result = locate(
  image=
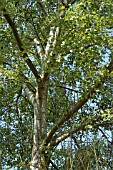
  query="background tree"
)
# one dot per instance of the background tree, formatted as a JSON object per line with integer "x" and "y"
{"x": 56, "y": 84}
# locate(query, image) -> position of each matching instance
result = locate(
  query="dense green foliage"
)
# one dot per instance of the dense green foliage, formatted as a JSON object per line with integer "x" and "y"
{"x": 78, "y": 68}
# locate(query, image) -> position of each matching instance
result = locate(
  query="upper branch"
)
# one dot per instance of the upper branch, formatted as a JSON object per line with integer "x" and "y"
{"x": 52, "y": 40}
{"x": 42, "y": 7}
{"x": 20, "y": 45}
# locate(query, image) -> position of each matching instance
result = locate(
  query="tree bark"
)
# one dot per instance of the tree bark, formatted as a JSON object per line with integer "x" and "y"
{"x": 39, "y": 161}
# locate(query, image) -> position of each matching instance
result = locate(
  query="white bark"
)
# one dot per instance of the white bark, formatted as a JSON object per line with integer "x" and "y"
{"x": 50, "y": 41}
{"x": 29, "y": 94}
{"x": 38, "y": 158}
{"x": 39, "y": 47}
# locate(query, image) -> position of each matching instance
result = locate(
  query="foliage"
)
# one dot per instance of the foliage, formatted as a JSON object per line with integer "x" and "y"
{"x": 70, "y": 45}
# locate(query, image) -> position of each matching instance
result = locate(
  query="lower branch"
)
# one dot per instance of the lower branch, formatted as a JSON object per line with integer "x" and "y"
{"x": 71, "y": 112}
{"x": 57, "y": 139}
{"x": 79, "y": 105}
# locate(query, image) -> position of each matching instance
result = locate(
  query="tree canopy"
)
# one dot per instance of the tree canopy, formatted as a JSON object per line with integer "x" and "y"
{"x": 56, "y": 84}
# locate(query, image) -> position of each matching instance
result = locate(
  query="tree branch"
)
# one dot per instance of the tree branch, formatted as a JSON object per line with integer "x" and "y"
{"x": 67, "y": 88}
{"x": 56, "y": 140}
{"x": 70, "y": 113}
{"x": 42, "y": 7}
{"x": 52, "y": 40}
{"x": 53, "y": 165}
{"x": 110, "y": 67}
{"x": 104, "y": 135}
{"x": 29, "y": 85}
{"x": 40, "y": 48}
{"x": 20, "y": 45}
{"x": 29, "y": 94}
{"x": 73, "y": 110}
{"x": 75, "y": 141}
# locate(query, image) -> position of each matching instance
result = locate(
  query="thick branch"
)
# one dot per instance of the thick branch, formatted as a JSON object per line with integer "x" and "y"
{"x": 50, "y": 48}
{"x": 73, "y": 110}
{"x": 82, "y": 127}
{"x": 58, "y": 138}
{"x": 20, "y": 45}
{"x": 52, "y": 40}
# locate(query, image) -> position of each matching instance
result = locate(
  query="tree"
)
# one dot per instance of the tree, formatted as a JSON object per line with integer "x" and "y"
{"x": 56, "y": 84}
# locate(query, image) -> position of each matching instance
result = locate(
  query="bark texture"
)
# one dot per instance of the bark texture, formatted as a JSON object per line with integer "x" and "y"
{"x": 39, "y": 161}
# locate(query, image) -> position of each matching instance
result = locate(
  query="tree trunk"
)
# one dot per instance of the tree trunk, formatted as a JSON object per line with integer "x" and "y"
{"x": 39, "y": 161}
